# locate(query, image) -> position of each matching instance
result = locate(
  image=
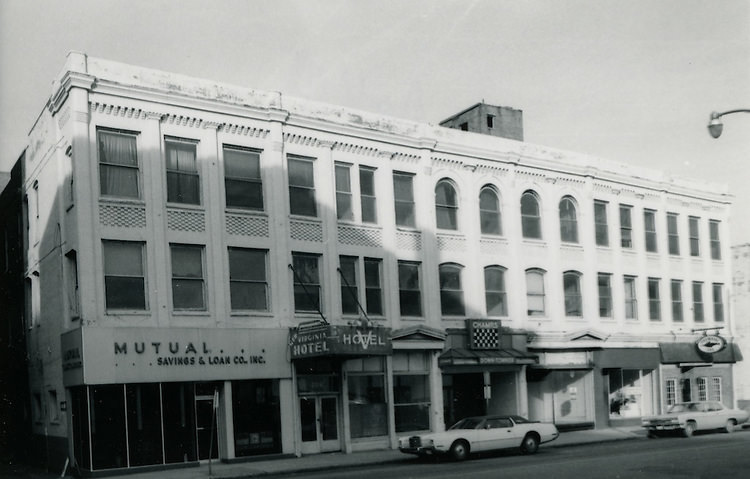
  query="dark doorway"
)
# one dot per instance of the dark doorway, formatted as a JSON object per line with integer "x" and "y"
{"x": 463, "y": 396}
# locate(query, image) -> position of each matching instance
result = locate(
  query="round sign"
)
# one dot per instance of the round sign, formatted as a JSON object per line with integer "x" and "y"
{"x": 711, "y": 344}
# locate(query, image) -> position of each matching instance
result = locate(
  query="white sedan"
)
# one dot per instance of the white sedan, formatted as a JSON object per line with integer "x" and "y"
{"x": 695, "y": 416}
{"x": 481, "y": 433}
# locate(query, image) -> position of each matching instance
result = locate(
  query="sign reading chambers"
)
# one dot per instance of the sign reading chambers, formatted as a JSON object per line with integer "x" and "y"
{"x": 327, "y": 340}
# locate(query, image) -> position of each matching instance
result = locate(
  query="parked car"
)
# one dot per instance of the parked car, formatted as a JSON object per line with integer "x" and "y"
{"x": 479, "y": 434}
{"x": 689, "y": 417}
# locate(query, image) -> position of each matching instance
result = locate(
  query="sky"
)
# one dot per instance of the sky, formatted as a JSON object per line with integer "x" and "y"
{"x": 630, "y": 81}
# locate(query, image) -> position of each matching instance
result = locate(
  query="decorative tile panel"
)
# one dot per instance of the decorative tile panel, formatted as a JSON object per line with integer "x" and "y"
{"x": 492, "y": 246}
{"x": 409, "y": 240}
{"x": 247, "y": 225}
{"x": 306, "y": 231}
{"x": 451, "y": 243}
{"x": 181, "y": 220}
{"x": 122, "y": 216}
{"x": 360, "y": 236}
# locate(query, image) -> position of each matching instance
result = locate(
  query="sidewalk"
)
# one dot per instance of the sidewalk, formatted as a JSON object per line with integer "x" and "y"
{"x": 318, "y": 462}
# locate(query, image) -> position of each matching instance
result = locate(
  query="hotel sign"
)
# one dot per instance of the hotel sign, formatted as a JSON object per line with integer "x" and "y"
{"x": 347, "y": 341}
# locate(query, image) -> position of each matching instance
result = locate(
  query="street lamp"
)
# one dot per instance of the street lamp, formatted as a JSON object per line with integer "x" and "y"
{"x": 715, "y": 126}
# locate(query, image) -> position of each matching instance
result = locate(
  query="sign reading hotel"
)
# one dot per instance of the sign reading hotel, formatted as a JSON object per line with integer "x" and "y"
{"x": 327, "y": 340}
{"x": 120, "y": 355}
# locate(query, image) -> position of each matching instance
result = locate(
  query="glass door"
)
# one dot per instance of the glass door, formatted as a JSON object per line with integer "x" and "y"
{"x": 205, "y": 421}
{"x": 319, "y": 423}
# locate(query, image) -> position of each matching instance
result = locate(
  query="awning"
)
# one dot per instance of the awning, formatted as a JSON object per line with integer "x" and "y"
{"x": 469, "y": 357}
{"x": 687, "y": 353}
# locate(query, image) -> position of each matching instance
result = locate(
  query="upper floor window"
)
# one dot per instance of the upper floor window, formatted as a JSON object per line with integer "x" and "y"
{"x": 490, "y": 121}
{"x": 601, "y": 227}
{"x": 568, "y": 220}
{"x": 349, "y": 293}
{"x": 693, "y": 229}
{"x": 124, "y": 275}
{"x": 403, "y": 192}
{"x": 409, "y": 288}
{"x": 344, "y": 209}
{"x": 353, "y": 275}
{"x": 626, "y": 226}
{"x": 698, "y": 302}
{"x": 713, "y": 229}
{"x": 183, "y": 181}
{"x": 489, "y": 211}
{"x": 572, "y": 291}
{"x": 248, "y": 279}
{"x": 649, "y": 223}
{"x": 451, "y": 293}
{"x": 242, "y": 182}
{"x": 676, "y": 293}
{"x": 535, "y": 292}
{"x": 673, "y": 234}
{"x": 718, "y": 293}
{"x": 446, "y": 205}
{"x": 307, "y": 286}
{"x": 188, "y": 283}
{"x": 531, "y": 219}
{"x": 494, "y": 291}
{"x": 367, "y": 195}
{"x": 631, "y": 298}
{"x": 604, "y": 281}
{"x": 301, "y": 186}
{"x": 72, "y": 289}
{"x": 654, "y": 299}
{"x": 118, "y": 164}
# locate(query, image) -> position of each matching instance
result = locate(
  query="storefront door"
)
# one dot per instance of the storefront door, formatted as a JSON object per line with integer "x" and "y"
{"x": 205, "y": 421}
{"x": 319, "y": 422}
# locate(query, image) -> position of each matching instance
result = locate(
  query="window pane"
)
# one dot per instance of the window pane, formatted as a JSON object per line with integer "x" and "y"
{"x": 301, "y": 173}
{"x": 108, "y": 439}
{"x": 247, "y": 264}
{"x": 122, "y": 258}
{"x": 125, "y": 293}
{"x": 367, "y": 407}
{"x": 249, "y": 296}
{"x": 187, "y": 261}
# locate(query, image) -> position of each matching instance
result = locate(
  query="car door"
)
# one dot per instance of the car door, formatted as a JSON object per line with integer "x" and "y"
{"x": 501, "y": 432}
{"x": 717, "y": 414}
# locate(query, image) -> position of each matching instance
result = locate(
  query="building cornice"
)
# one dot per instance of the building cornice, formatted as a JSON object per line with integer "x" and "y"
{"x": 70, "y": 80}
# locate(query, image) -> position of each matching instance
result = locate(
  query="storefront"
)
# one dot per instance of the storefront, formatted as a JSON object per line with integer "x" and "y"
{"x": 484, "y": 371}
{"x": 698, "y": 371}
{"x": 155, "y": 397}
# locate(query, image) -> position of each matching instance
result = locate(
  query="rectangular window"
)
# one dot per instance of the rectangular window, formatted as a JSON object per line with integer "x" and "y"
{"x": 118, "y": 164}
{"x": 307, "y": 289}
{"x": 183, "y": 182}
{"x": 367, "y": 195}
{"x": 535, "y": 304}
{"x": 673, "y": 234}
{"x": 411, "y": 391}
{"x": 188, "y": 284}
{"x": 600, "y": 223}
{"x": 718, "y": 294}
{"x": 715, "y": 391}
{"x": 343, "y": 193}
{"x": 242, "y": 182}
{"x": 72, "y": 288}
{"x": 403, "y": 192}
{"x": 631, "y": 302}
{"x": 676, "y": 293}
{"x": 301, "y": 186}
{"x": 654, "y": 302}
{"x": 124, "y": 275}
{"x": 686, "y": 391}
{"x": 713, "y": 229}
{"x": 490, "y": 121}
{"x": 373, "y": 286}
{"x": 694, "y": 236}
{"x": 409, "y": 290}
{"x": 698, "y": 302}
{"x": 626, "y": 227}
{"x": 702, "y": 389}
{"x": 649, "y": 223}
{"x": 367, "y": 399}
{"x": 53, "y": 407}
{"x": 605, "y": 295}
{"x": 464, "y": 126}
{"x": 248, "y": 279}
{"x": 671, "y": 392}
{"x": 349, "y": 290}
{"x": 257, "y": 417}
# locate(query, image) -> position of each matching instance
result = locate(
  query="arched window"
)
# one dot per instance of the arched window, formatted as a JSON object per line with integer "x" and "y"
{"x": 568, "y": 220}
{"x": 572, "y": 289}
{"x": 531, "y": 220}
{"x": 535, "y": 292}
{"x": 451, "y": 294}
{"x": 446, "y": 205}
{"x": 494, "y": 291}
{"x": 489, "y": 211}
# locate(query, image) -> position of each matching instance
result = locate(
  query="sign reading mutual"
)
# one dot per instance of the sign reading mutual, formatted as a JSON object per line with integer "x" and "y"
{"x": 484, "y": 334}
{"x": 328, "y": 340}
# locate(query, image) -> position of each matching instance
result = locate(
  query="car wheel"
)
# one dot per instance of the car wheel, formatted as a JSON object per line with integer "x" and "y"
{"x": 530, "y": 444}
{"x": 459, "y": 450}
{"x": 730, "y": 426}
{"x": 689, "y": 429}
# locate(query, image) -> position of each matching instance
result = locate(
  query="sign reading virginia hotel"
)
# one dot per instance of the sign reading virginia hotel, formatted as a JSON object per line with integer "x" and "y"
{"x": 327, "y": 340}
{"x": 118, "y": 355}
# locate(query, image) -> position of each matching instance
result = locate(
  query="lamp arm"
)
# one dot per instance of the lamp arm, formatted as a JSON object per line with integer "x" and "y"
{"x": 716, "y": 115}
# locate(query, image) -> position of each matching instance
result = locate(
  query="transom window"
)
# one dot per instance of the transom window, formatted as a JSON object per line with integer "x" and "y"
{"x": 531, "y": 220}
{"x": 242, "y": 182}
{"x": 489, "y": 211}
{"x": 118, "y": 164}
{"x": 248, "y": 279}
{"x": 301, "y": 186}
{"x": 568, "y": 220}
{"x": 446, "y": 206}
{"x": 183, "y": 182}
{"x": 451, "y": 293}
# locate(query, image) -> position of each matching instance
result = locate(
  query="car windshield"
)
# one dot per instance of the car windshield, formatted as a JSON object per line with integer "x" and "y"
{"x": 468, "y": 423}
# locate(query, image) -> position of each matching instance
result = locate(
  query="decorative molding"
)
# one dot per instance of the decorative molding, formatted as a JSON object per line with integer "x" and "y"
{"x": 295, "y": 139}
{"x": 70, "y": 80}
{"x": 356, "y": 149}
{"x": 234, "y": 129}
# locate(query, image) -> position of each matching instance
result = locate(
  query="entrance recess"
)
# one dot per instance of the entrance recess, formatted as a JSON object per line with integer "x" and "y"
{"x": 205, "y": 421}
{"x": 319, "y": 421}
